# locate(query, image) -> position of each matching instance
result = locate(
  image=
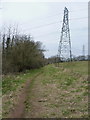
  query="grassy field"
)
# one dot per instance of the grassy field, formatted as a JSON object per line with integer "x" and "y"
{"x": 53, "y": 92}
{"x": 12, "y": 85}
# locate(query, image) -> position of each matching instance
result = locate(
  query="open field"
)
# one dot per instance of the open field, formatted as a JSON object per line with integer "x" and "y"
{"x": 49, "y": 92}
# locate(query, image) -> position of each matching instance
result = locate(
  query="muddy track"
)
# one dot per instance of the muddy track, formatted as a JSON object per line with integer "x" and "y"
{"x": 19, "y": 109}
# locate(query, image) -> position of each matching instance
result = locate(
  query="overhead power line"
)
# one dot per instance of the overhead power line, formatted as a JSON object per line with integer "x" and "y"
{"x": 44, "y": 25}
{"x": 50, "y": 33}
{"x": 50, "y": 16}
{"x": 59, "y": 14}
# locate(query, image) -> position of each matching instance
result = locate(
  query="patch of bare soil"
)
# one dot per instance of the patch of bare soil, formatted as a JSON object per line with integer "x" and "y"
{"x": 46, "y": 100}
{"x": 19, "y": 108}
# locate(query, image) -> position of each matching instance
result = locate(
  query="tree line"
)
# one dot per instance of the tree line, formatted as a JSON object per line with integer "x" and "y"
{"x": 20, "y": 52}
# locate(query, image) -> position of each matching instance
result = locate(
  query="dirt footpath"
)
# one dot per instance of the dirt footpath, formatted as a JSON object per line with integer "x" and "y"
{"x": 56, "y": 94}
{"x": 18, "y": 111}
{"x": 53, "y": 93}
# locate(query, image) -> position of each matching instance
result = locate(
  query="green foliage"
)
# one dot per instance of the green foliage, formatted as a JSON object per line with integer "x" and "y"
{"x": 21, "y": 53}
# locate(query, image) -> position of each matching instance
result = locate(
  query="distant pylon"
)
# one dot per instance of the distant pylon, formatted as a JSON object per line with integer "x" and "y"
{"x": 83, "y": 52}
{"x": 64, "y": 50}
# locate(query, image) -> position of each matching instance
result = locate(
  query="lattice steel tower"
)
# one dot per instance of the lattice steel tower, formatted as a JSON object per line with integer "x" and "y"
{"x": 64, "y": 50}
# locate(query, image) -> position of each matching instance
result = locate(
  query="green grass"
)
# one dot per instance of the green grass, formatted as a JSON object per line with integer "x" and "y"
{"x": 11, "y": 86}
{"x": 65, "y": 88}
{"x": 78, "y": 66}
{"x": 12, "y": 82}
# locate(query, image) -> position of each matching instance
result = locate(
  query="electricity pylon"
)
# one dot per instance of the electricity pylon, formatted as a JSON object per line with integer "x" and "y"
{"x": 64, "y": 50}
{"x": 83, "y": 52}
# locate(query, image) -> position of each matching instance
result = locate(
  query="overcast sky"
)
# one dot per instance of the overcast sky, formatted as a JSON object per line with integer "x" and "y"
{"x": 44, "y": 21}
